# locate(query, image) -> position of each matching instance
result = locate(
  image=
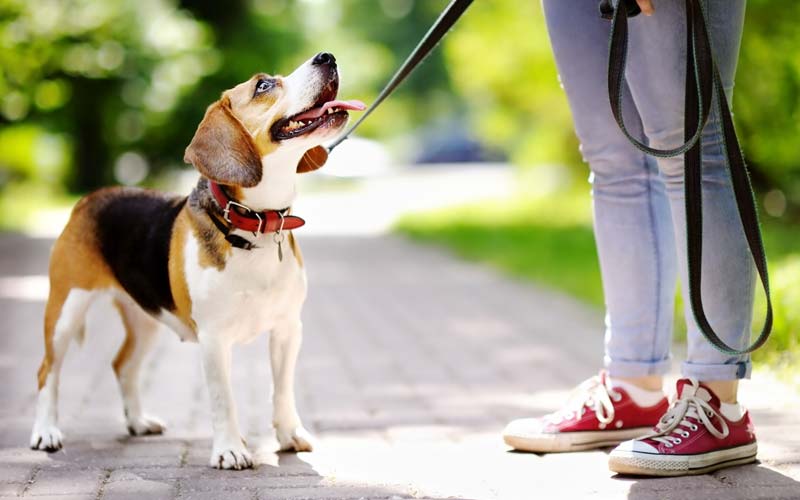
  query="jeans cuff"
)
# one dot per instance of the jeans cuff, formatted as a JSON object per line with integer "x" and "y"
{"x": 725, "y": 371}
{"x": 627, "y": 368}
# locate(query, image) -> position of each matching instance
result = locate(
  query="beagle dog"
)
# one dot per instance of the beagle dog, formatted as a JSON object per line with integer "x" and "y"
{"x": 218, "y": 267}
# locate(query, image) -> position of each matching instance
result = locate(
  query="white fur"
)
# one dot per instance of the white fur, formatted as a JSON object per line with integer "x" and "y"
{"x": 277, "y": 189}
{"x": 178, "y": 326}
{"x": 254, "y": 293}
{"x": 45, "y": 434}
{"x": 144, "y": 329}
{"x": 302, "y": 87}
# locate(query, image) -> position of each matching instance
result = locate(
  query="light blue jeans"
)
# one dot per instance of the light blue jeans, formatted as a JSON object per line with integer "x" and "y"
{"x": 638, "y": 201}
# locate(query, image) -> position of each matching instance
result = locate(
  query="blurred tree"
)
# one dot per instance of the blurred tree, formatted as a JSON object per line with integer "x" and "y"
{"x": 86, "y": 86}
{"x": 102, "y": 72}
{"x": 124, "y": 83}
{"x": 503, "y": 67}
{"x": 767, "y": 98}
{"x": 500, "y": 63}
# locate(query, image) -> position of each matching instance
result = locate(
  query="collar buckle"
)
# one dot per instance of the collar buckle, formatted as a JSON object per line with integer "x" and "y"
{"x": 226, "y": 214}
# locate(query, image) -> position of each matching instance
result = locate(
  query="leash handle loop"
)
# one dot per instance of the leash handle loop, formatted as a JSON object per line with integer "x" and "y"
{"x": 703, "y": 84}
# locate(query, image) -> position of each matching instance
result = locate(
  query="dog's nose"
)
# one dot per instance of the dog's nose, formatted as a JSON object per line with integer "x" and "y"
{"x": 324, "y": 58}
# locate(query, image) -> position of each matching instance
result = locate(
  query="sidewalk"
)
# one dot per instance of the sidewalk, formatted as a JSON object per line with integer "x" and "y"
{"x": 412, "y": 364}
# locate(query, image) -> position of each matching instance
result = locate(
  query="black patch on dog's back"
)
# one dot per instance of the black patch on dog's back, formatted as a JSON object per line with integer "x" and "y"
{"x": 134, "y": 232}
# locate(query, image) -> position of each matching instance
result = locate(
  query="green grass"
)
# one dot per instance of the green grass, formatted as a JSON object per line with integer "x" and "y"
{"x": 24, "y": 206}
{"x": 540, "y": 240}
{"x": 549, "y": 240}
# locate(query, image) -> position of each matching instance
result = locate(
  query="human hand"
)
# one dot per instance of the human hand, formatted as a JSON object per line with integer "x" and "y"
{"x": 646, "y": 6}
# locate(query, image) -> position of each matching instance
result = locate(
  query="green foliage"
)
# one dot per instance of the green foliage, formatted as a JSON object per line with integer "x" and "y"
{"x": 503, "y": 68}
{"x": 103, "y": 73}
{"x": 132, "y": 78}
{"x": 525, "y": 238}
{"x": 28, "y": 152}
{"x": 767, "y": 96}
{"x": 783, "y": 251}
{"x": 121, "y": 76}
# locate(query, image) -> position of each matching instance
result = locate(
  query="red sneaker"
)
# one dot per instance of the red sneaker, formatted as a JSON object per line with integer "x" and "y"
{"x": 693, "y": 437}
{"x": 596, "y": 416}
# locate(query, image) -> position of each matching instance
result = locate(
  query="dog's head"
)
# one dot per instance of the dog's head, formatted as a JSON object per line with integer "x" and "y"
{"x": 267, "y": 114}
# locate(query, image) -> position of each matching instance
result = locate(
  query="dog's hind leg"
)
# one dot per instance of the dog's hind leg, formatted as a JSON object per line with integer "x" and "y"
{"x": 64, "y": 319}
{"x": 284, "y": 346}
{"x": 140, "y": 335}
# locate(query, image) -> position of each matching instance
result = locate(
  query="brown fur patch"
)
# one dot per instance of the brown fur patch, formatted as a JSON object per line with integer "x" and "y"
{"x": 223, "y": 150}
{"x": 214, "y": 250}
{"x": 75, "y": 262}
{"x": 295, "y": 249}
{"x": 177, "y": 273}
{"x": 126, "y": 350}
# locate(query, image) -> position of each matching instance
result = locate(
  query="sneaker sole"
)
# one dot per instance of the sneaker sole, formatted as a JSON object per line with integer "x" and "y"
{"x": 573, "y": 441}
{"x": 647, "y": 464}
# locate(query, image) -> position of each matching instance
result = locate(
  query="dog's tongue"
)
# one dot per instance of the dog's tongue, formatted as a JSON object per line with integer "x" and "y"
{"x": 317, "y": 112}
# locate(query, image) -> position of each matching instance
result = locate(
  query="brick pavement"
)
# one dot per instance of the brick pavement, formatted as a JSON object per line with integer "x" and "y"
{"x": 412, "y": 363}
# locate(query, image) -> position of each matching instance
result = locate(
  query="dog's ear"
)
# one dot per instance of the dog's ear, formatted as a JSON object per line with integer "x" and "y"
{"x": 222, "y": 150}
{"x": 312, "y": 160}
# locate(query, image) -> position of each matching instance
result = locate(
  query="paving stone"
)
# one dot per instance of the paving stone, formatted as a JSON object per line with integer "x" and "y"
{"x": 59, "y": 481}
{"x": 412, "y": 362}
{"x": 68, "y": 496}
{"x": 10, "y": 488}
{"x": 152, "y": 490}
{"x": 215, "y": 495}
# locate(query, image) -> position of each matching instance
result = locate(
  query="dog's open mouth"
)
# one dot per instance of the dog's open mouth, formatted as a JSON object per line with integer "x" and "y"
{"x": 326, "y": 112}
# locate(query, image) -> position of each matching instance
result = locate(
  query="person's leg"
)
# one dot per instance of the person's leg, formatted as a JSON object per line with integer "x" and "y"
{"x": 655, "y": 74}
{"x": 636, "y": 251}
{"x": 700, "y": 432}
{"x": 632, "y": 224}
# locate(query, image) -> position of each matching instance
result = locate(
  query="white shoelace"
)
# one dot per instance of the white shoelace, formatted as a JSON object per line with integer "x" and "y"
{"x": 674, "y": 426}
{"x": 592, "y": 394}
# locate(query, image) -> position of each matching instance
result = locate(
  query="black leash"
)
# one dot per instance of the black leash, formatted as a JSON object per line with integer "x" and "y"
{"x": 703, "y": 84}
{"x": 439, "y": 29}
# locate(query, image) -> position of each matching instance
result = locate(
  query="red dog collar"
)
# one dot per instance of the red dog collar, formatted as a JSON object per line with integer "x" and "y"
{"x": 245, "y": 218}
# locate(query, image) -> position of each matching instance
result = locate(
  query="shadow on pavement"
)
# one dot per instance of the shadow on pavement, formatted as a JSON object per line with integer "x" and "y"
{"x": 746, "y": 481}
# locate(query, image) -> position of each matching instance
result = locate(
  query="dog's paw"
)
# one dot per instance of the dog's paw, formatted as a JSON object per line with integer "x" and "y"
{"x": 47, "y": 438}
{"x": 145, "y": 425}
{"x": 297, "y": 439}
{"x": 231, "y": 457}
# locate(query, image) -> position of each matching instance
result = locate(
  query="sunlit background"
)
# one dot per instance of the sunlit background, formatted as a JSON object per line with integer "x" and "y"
{"x": 94, "y": 93}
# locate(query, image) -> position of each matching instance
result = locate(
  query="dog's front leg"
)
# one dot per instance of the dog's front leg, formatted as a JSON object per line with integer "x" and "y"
{"x": 229, "y": 450}
{"x": 284, "y": 345}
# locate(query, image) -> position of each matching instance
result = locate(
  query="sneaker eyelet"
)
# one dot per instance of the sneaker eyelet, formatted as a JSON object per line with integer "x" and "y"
{"x": 694, "y": 427}
{"x": 685, "y": 434}
{"x": 677, "y": 440}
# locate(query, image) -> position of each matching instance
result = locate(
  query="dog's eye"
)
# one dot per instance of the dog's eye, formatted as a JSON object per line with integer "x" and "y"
{"x": 264, "y": 86}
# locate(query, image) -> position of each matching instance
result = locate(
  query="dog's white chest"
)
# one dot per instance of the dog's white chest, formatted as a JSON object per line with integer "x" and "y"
{"x": 249, "y": 296}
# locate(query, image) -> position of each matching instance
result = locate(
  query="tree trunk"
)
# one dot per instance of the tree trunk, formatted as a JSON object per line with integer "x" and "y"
{"x": 91, "y": 163}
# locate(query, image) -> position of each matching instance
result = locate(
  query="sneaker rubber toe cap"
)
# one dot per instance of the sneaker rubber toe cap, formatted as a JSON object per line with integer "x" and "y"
{"x": 634, "y": 446}
{"x": 524, "y": 427}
